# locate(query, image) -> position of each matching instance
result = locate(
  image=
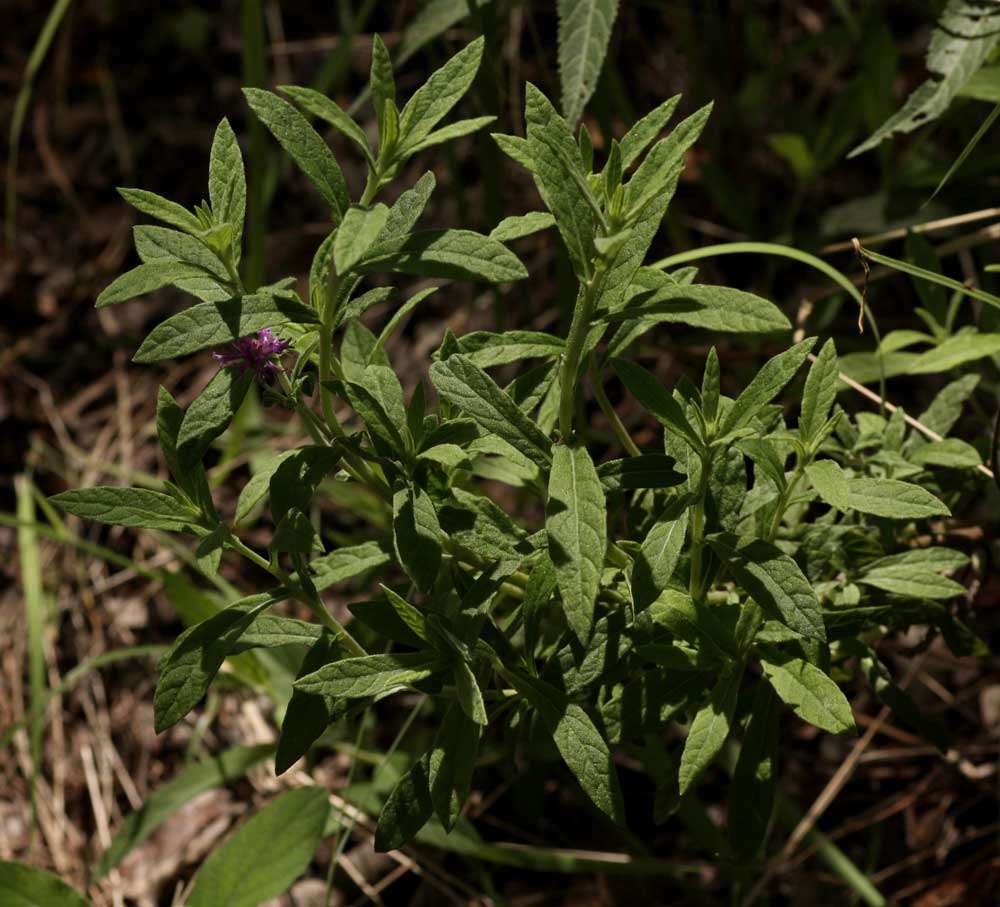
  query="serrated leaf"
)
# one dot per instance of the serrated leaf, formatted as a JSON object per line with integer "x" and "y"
{"x": 766, "y": 385}
{"x": 211, "y": 411}
{"x": 813, "y": 696}
{"x": 476, "y": 394}
{"x": 407, "y": 808}
{"x": 227, "y": 187}
{"x": 584, "y": 31}
{"x": 710, "y": 728}
{"x": 369, "y": 675}
{"x": 247, "y": 868}
{"x": 140, "y": 508}
{"x": 580, "y": 744}
{"x": 556, "y": 166}
{"x": 356, "y": 234}
{"x": 430, "y": 103}
{"x": 888, "y": 498}
{"x": 751, "y": 794}
{"x": 416, "y": 535}
{"x": 964, "y": 38}
{"x": 192, "y": 780}
{"x": 576, "y": 523}
{"x": 775, "y": 582}
{"x": 304, "y": 145}
{"x": 521, "y": 225}
{"x": 189, "y": 666}
{"x": 162, "y": 209}
{"x": 819, "y": 393}
{"x": 214, "y": 323}
{"x": 454, "y": 254}
{"x": 660, "y": 553}
{"x": 22, "y": 885}
{"x": 146, "y": 278}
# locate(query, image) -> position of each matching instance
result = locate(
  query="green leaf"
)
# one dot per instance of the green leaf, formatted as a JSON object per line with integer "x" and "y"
{"x": 347, "y": 563}
{"x": 710, "y": 728}
{"x": 451, "y": 762}
{"x": 955, "y": 351}
{"x": 148, "y": 277}
{"x": 162, "y": 209}
{"x": 660, "y": 553}
{"x": 194, "y": 779}
{"x": 584, "y": 33}
{"x": 476, "y": 394}
{"x": 227, "y": 187}
{"x": 643, "y": 131}
{"x": 304, "y": 145}
{"x": 517, "y": 149}
{"x": 295, "y": 480}
{"x": 556, "y": 169}
{"x": 946, "y": 407}
{"x": 487, "y": 349}
{"x": 651, "y": 394}
{"x": 580, "y": 744}
{"x": 407, "y": 809}
{"x": 521, "y": 225}
{"x": 25, "y": 886}
{"x": 406, "y": 210}
{"x": 889, "y": 498}
{"x": 307, "y": 715}
{"x": 248, "y": 868}
{"x": 162, "y": 244}
{"x": 470, "y": 698}
{"x": 454, "y": 254}
{"x": 766, "y": 385}
{"x": 964, "y": 38}
{"x": 323, "y": 108}
{"x": 214, "y": 323}
{"x": 189, "y": 666}
{"x": 412, "y": 617}
{"x": 951, "y": 452}
{"x": 916, "y": 573}
{"x": 643, "y": 471}
{"x": 751, "y": 794}
{"x": 416, "y": 535}
{"x": 576, "y": 523}
{"x": 382, "y": 81}
{"x": 431, "y": 102}
{"x": 369, "y": 675}
{"x": 256, "y": 488}
{"x": 813, "y": 696}
{"x": 139, "y": 508}
{"x": 379, "y": 407}
{"x": 775, "y": 582}
{"x": 211, "y": 411}
{"x": 355, "y": 235}
{"x": 819, "y": 393}
{"x": 450, "y": 132}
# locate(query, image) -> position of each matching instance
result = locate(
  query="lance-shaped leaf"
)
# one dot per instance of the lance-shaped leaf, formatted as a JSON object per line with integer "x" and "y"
{"x": 710, "y": 728}
{"x": 576, "y": 523}
{"x": 211, "y": 411}
{"x": 450, "y": 765}
{"x": 813, "y": 696}
{"x": 766, "y": 385}
{"x": 584, "y": 32}
{"x": 751, "y": 794}
{"x": 416, "y": 535}
{"x": 227, "y": 185}
{"x": 521, "y": 225}
{"x": 660, "y": 552}
{"x": 652, "y": 395}
{"x": 369, "y": 675}
{"x": 407, "y": 808}
{"x": 162, "y": 209}
{"x": 323, "y": 108}
{"x": 304, "y": 145}
{"x": 820, "y": 392}
{"x": 214, "y": 323}
{"x": 356, "y": 234}
{"x": 488, "y": 348}
{"x": 470, "y": 697}
{"x": 476, "y": 394}
{"x": 774, "y": 580}
{"x": 430, "y": 103}
{"x": 22, "y": 885}
{"x": 140, "y": 508}
{"x": 248, "y": 868}
{"x": 580, "y": 744}
{"x": 558, "y": 172}
{"x": 148, "y": 277}
{"x": 916, "y": 573}
{"x": 161, "y": 244}
{"x": 189, "y": 666}
{"x": 888, "y": 498}
{"x": 643, "y": 471}
{"x": 644, "y": 130}
{"x": 347, "y": 563}
{"x": 454, "y": 254}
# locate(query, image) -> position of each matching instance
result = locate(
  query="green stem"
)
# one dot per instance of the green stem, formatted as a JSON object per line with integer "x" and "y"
{"x": 579, "y": 328}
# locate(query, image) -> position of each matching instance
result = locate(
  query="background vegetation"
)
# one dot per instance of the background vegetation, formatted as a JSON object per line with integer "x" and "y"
{"x": 129, "y": 94}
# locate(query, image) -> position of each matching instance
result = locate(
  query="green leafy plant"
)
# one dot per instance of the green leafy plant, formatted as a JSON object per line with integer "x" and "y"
{"x": 751, "y": 559}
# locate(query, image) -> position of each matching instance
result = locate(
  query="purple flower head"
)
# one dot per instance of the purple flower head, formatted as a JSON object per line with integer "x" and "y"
{"x": 257, "y": 353}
